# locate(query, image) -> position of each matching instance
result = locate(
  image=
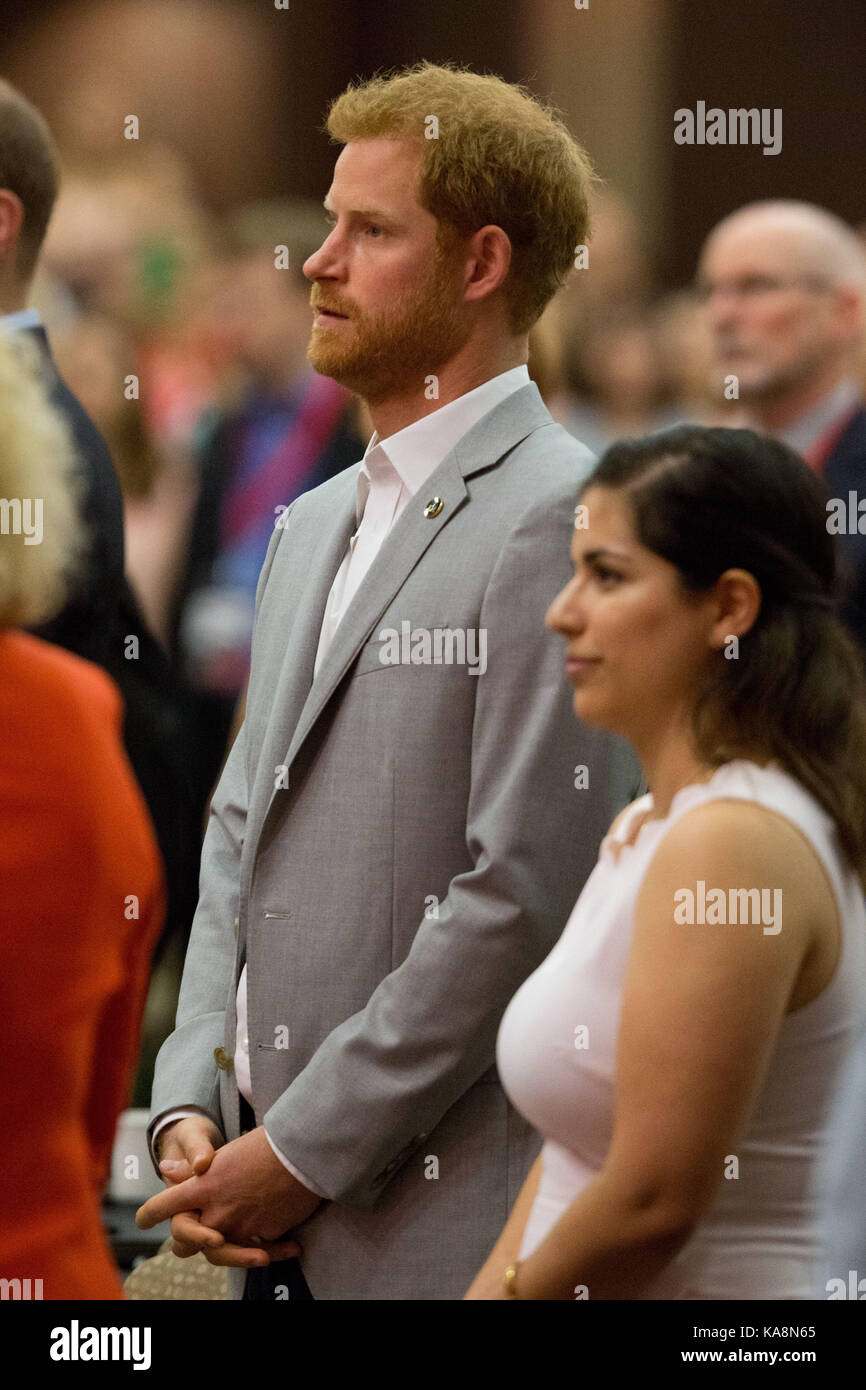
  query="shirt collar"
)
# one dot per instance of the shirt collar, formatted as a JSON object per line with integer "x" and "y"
{"x": 802, "y": 434}
{"x": 414, "y": 453}
{"x": 24, "y": 318}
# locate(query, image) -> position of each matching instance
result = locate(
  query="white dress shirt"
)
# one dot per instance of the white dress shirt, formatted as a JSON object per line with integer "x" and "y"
{"x": 805, "y": 432}
{"x": 392, "y": 471}
{"x": 22, "y": 318}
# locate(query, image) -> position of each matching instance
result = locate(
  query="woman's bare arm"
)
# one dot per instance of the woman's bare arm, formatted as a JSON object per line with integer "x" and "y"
{"x": 702, "y": 1008}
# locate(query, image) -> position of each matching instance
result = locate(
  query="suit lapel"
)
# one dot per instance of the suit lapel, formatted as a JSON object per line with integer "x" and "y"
{"x": 400, "y": 552}
{"x": 481, "y": 447}
{"x": 331, "y": 530}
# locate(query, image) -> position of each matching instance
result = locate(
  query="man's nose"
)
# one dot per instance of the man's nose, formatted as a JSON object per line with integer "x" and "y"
{"x": 311, "y": 265}
{"x": 323, "y": 262}
{"x": 722, "y": 312}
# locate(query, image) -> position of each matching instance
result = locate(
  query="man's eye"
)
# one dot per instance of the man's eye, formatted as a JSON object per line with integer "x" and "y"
{"x": 372, "y": 227}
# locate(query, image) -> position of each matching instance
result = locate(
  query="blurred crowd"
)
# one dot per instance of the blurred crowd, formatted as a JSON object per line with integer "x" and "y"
{"x": 188, "y": 351}
{"x": 183, "y": 333}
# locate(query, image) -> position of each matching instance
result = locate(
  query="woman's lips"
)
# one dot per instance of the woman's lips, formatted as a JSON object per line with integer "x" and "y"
{"x": 578, "y": 666}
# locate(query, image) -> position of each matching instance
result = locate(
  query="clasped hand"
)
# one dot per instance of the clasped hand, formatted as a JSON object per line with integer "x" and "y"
{"x": 233, "y": 1202}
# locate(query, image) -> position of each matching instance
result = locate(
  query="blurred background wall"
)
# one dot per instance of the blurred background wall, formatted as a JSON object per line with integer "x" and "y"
{"x": 239, "y": 87}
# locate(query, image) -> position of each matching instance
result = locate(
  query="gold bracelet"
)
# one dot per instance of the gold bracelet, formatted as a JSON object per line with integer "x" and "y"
{"x": 510, "y": 1276}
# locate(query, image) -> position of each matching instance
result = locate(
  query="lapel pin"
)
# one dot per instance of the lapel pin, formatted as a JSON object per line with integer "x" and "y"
{"x": 433, "y": 508}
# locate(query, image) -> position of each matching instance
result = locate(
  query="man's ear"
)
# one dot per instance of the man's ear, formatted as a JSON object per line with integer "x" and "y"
{"x": 489, "y": 255}
{"x": 11, "y": 221}
{"x": 849, "y": 311}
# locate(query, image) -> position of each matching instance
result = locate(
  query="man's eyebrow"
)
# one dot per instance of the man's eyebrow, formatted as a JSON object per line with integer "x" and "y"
{"x": 375, "y": 213}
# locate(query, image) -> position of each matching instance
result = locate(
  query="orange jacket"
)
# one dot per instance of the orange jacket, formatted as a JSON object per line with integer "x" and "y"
{"x": 81, "y": 906}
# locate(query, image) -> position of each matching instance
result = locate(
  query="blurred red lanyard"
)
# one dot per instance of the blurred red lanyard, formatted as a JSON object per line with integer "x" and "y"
{"x": 819, "y": 453}
{"x": 285, "y": 470}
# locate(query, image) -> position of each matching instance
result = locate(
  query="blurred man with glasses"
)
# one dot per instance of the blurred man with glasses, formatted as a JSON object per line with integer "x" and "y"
{"x": 783, "y": 287}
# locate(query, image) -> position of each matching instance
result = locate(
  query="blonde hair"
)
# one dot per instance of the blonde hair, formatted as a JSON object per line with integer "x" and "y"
{"x": 500, "y": 157}
{"x": 38, "y": 477}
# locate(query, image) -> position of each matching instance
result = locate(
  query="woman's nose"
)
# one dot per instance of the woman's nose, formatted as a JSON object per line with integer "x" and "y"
{"x": 562, "y": 616}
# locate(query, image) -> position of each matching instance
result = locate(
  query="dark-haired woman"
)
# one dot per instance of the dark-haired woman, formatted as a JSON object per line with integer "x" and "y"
{"x": 679, "y": 1047}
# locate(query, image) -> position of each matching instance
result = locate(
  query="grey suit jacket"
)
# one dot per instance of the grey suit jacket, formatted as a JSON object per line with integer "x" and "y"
{"x": 393, "y": 848}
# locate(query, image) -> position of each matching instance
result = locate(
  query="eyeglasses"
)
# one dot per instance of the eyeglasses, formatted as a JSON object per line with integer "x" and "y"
{"x": 756, "y": 286}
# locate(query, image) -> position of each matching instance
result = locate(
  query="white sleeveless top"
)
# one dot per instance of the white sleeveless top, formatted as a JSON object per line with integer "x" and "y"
{"x": 761, "y": 1237}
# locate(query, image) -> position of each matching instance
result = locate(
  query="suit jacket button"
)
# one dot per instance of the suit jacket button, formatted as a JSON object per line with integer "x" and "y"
{"x": 222, "y": 1059}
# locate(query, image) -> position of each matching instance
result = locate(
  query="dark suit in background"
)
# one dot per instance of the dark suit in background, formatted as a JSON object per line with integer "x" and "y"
{"x": 99, "y": 616}
{"x": 844, "y": 472}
